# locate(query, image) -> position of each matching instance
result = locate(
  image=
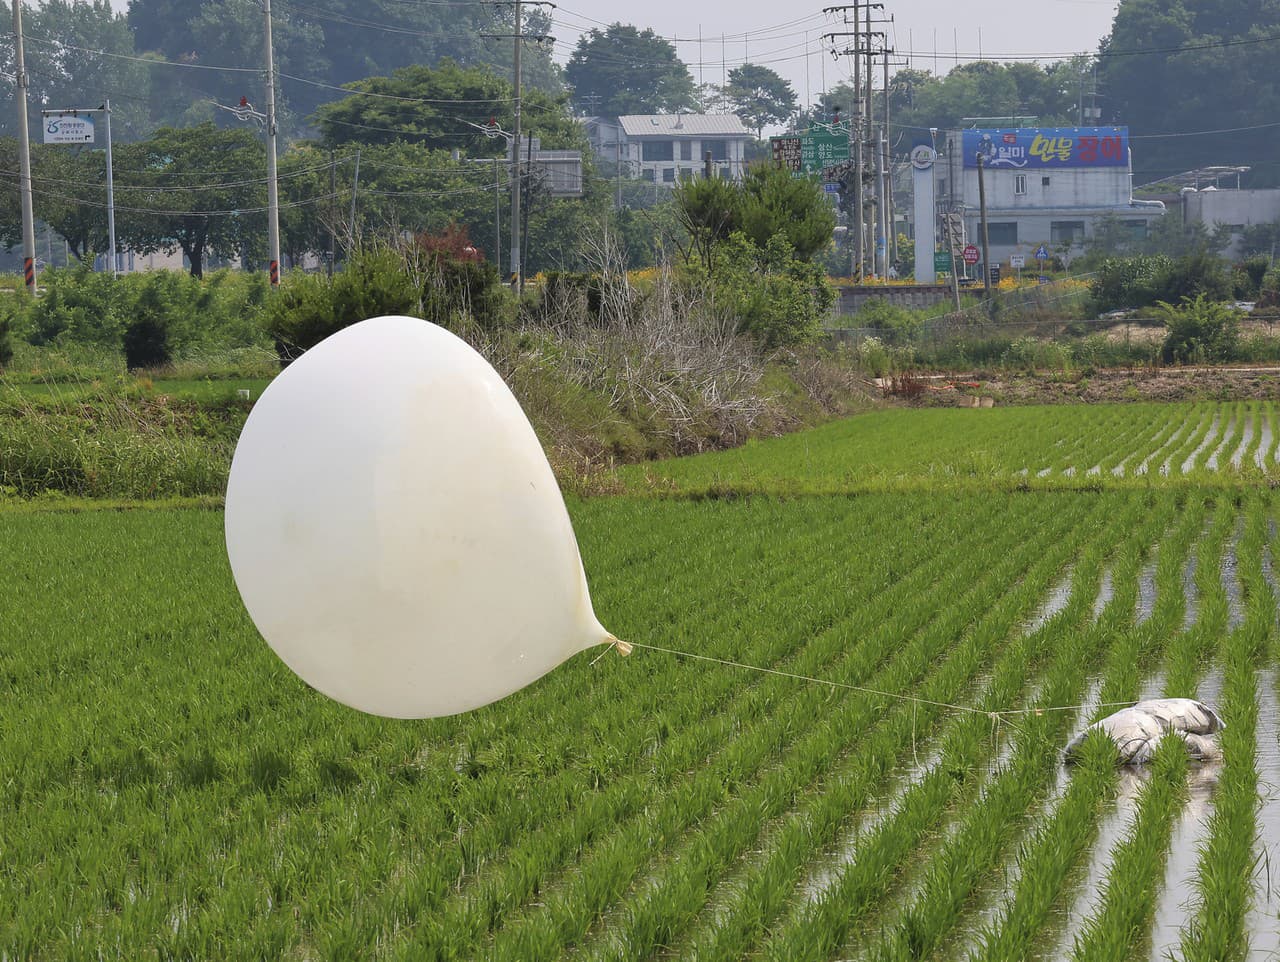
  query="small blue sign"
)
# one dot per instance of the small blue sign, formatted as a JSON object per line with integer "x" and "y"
{"x": 831, "y": 188}
{"x": 1041, "y": 253}
{"x": 1042, "y": 279}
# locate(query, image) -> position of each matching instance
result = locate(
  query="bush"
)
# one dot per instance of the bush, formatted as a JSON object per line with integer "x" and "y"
{"x": 893, "y": 324}
{"x": 146, "y": 344}
{"x": 76, "y": 305}
{"x": 455, "y": 291}
{"x": 309, "y": 307}
{"x": 1269, "y": 290}
{"x": 1196, "y": 275}
{"x": 1124, "y": 282}
{"x": 1200, "y": 331}
{"x": 1247, "y": 277}
{"x": 777, "y": 299}
{"x": 1029, "y": 354}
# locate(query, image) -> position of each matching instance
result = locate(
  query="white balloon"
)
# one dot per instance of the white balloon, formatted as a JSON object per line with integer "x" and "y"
{"x": 395, "y": 530}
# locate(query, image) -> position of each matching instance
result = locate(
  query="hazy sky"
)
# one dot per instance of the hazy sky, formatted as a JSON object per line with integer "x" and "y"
{"x": 779, "y": 34}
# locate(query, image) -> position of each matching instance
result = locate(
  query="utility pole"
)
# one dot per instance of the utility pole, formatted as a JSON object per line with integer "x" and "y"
{"x": 982, "y": 211}
{"x": 861, "y": 125}
{"x": 24, "y": 156}
{"x": 273, "y": 192}
{"x": 517, "y": 171}
{"x": 333, "y": 212}
{"x": 111, "y": 194}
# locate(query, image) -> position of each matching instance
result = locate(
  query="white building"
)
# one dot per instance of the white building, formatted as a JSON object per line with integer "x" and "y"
{"x": 665, "y": 148}
{"x": 1232, "y": 210}
{"x": 1044, "y": 186}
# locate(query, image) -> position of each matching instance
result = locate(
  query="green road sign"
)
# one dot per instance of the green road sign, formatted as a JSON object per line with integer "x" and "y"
{"x": 818, "y": 150}
{"x": 942, "y": 261}
{"x": 810, "y": 153}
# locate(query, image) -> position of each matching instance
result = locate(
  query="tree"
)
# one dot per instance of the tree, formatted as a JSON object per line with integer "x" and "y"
{"x": 760, "y": 96}
{"x": 198, "y": 188}
{"x": 709, "y": 211}
{"x": 65, "y": 69}
{"x": 1175, "y": 67}
{"x": 622, "y": 70}
{"x": 437, "y": 106}
{"x": 774, "y": 202}
{"x": 326, "y": 44}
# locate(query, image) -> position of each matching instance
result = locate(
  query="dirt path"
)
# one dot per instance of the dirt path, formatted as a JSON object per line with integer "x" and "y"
{"x": 1136, "y": 384}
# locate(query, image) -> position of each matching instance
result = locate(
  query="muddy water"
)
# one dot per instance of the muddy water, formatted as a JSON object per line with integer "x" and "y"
{"x": 1264, "y": 444}
{"x": 1209, "y": 437}
{"x": 1178, "y": 893}
{"x": 1237, "y": 456}
{"x": 1116, "y": 824}
{"x": 1147, "y": 590}
{"x": 1263, "y": 921}
{"x": 1177, "y": 897}
{"x": 1168, "y": 445}
{"x": 1230, "y": 574}
{"x": 1007, "y": 879}
{"x": 1106, "y": 591}
{"x": 1212, "y": 463}
{"x": 1057, "y": 600}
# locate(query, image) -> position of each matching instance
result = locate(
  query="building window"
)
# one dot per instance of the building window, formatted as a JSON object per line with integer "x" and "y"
{"x": 657, "y": 150}
{"x": 1044, "y": 181}
{"x": 719, "y": 149}
{"x": 1066, "y": 232}
{"x": 1019, "y": 183}
{"x": 686, "y": 150}
{"x": 1137, "y": 229}
{"x": 668, "y": 175}
{"x": 1003, "y": 233}
{"x": 650, "y": 174}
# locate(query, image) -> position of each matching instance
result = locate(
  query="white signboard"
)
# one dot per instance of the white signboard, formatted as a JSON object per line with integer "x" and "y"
{"x": 1017, "y": 260}
{"x": 68, "y": 129}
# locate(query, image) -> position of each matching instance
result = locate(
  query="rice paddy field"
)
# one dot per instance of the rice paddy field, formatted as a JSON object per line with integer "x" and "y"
{"x": 998, "y": 578}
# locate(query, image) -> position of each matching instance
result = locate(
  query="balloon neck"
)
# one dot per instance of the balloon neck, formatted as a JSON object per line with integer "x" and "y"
{"x": 621, "y": 646}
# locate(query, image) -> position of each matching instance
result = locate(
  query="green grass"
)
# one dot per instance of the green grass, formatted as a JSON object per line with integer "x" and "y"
{"x": 171, "y": 790}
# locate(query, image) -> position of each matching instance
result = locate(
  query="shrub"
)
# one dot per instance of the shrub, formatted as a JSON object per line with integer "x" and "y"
{"x": 76, "y": 305}
{"x": 146, "y": 343}
{"x": 1200, "y": 331}
{"x": 1269, "y": 290}
{"x": 1192, "y": 276}
{"x": 893, "y": 324}
{"x": 309, "y": 307}
{"x": 1247, "y": 277}
{"x": 777, "y": 299}
{"x": 1124, "y": 282}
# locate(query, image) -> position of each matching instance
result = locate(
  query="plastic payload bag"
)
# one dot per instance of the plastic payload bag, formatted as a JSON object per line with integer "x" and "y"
{"x": 395, "y": 530}
{"x": 1138, "y": 730}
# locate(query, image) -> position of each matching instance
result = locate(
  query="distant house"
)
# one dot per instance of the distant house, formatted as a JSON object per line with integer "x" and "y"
{"x": 665, "y": 148}
{"x": 1230, "y": 210}
{"x": 1045, "y": 187}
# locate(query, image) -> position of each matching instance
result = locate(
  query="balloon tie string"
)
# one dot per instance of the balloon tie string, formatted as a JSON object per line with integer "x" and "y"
{"x": 625, "y": 647}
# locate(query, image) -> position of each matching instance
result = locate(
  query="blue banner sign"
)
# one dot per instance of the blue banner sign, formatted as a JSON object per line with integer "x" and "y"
{"x": 1037, "y": 147}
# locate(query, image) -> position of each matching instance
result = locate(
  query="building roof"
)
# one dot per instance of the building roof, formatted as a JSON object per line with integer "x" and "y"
{"x": 683, "y": 125}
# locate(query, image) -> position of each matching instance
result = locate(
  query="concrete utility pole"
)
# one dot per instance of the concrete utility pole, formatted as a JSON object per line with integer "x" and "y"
{"x": 111, "y": 194}
{"x": 273, "y": 192}
{"x": 24, "y": 156}
{"x": 517, "y": 171}
{"x": 982, "y": 212}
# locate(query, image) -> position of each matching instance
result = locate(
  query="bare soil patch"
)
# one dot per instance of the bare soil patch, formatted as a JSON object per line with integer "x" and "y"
{"x": 1101, "y": 386}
